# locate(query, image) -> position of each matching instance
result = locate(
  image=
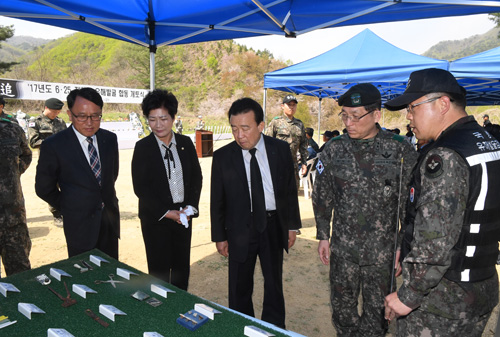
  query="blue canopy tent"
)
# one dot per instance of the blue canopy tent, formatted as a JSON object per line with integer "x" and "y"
{"x": 364, "y": 58}
{"x": 479, "y": 74}
{"x": 154, "y": 23}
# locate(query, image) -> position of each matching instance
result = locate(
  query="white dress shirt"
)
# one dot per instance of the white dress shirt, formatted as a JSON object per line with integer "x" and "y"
{"x": 265, "y": 172}
{"x": 85, "y": 145}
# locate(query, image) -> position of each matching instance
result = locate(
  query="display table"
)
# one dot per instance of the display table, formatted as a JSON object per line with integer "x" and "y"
{"x": 140, "y": 316}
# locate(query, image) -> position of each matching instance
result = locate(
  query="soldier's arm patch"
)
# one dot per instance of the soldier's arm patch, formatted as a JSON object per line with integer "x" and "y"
{"x": 319, "y": 167}
{"x": 434, "y": 166}
{"x": 31, "y": 124}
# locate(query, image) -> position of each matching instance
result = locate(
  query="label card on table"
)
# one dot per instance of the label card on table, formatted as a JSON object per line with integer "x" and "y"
{"x": 58, "y": 333}
{"x": 28, "y": 308}
{"x": 4, "y": 287}
{"x": 151, "y": 334}
{"x": 58, "y": 273}
{"x": 97, "y": 260}
{"x": 110, "y": 311}
{"x": 253, "y": 331}
{"x": 161, "y": 290}
{"x": 124, "y": 273}
{"x": 82, "y": 290}
{"x": 206, "y": 310}
{"x": 5, "y": 322}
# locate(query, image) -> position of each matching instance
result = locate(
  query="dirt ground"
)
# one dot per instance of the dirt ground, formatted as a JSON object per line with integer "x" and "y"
{"x": 306, "y": 281}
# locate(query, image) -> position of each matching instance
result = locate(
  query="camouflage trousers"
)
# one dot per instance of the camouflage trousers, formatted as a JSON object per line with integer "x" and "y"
{"x": 15, "y": 246}
{"x": 347, "y": 279}
{"x": 420, "y": 323}
{"x": 298, "y": 171}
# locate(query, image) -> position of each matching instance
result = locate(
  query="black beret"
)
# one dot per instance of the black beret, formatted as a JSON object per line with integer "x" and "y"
{"x": 54, "y": 103}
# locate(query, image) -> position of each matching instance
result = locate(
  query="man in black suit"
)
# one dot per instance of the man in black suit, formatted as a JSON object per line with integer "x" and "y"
{"x": 76, "y": 175}
{"x": 245, "y": 227}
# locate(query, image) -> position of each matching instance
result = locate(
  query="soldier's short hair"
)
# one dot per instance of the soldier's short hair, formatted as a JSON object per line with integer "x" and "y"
{"x": 244, "y": 105}
{"x": 2, "y": 100}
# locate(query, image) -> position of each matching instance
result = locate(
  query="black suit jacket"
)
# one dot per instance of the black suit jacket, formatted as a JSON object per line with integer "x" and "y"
{"x": 150, "y": 179}
{"x": 65, "y": 180}
{"x": 230, "y": 205}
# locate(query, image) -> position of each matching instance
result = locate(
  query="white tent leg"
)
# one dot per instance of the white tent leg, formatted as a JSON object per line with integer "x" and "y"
{"x": 152, "y": 71}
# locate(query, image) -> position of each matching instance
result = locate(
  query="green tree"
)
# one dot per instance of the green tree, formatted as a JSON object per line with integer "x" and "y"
{"x": 168, "y": 65}
{"x": 6, "y": 32}
{"x": 303, "y": 113}
{"x": 495, "y": 17}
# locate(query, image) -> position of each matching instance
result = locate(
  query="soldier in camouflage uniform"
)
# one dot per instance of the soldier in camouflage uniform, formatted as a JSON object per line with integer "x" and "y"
{"x": 4, "y": 115}
{"x": 178, "y": 125}
{"x": 200, "y": 125}
{"x": 15, "y": 154}
{"x": 450, "y": 244}
{"x": 291, "y": 130}
{"x": 45, "y": 125}
{"x": 358, "y": 177}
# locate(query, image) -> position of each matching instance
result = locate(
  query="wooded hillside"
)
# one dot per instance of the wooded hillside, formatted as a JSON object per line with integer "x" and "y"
{"x": 205, "y": 77}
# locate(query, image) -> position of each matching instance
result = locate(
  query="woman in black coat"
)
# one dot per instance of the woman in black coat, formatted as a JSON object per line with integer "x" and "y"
{"x": 167, "y": 180}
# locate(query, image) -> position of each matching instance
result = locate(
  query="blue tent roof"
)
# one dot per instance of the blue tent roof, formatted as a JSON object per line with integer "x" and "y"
{"x": 364, "y": 58}
{"x": 161, "y": 22}
{"x": 479, "y": 74}
{"x": 368, "y": 58}
{"x": 482, "y": 65}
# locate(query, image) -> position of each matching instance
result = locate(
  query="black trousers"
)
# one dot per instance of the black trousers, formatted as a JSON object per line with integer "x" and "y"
{"x": 168, "y": 251}
{"x": 107, "y": 241}
{"x": 267, "y": 246}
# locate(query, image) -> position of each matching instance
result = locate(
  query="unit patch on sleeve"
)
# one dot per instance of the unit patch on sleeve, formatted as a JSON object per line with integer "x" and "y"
{"x": 434, "y": 166}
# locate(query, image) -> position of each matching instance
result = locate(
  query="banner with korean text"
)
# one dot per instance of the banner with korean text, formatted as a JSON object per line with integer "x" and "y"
{"x": 37, "y": 90}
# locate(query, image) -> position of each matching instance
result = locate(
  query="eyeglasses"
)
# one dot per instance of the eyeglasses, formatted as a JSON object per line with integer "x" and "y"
{"x": 410, "y": 107}
{"x": 84, "y": 118}
{"x": 345, "y": 117}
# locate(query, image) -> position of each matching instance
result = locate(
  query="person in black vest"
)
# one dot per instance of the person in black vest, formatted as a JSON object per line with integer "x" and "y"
{"x": 452, "y": 225}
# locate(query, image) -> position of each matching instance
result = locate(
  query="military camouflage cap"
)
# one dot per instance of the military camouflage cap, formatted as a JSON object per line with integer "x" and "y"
{"x": 360, "y": 95}
{"x": 289, "y": 98}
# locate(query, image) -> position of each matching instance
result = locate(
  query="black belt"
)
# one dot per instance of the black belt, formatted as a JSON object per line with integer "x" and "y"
{"x": 270, "y": 214}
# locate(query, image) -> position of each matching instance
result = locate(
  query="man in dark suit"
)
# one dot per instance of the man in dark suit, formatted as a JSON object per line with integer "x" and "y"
{"x": 76, "y": 174}
{"x": 245, "y": 227}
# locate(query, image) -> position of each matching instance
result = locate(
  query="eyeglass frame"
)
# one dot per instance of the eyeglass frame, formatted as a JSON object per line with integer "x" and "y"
{"x": 80, "y": 117}
{"x": 354, "y": 119}
{"x": 410, "y": 107}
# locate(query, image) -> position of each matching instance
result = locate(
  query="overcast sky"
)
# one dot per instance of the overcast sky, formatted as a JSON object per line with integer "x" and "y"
{"x": 415, "y": 36}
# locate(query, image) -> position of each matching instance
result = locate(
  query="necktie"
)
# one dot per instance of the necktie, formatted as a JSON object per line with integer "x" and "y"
{"x": 258, "y": 199}
{"x": 169, "y": 157}
{"x": 94, "y": 160}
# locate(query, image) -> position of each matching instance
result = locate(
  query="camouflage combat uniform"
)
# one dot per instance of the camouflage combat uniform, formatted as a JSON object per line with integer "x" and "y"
{"x": 200, "y": 125}
{"x": 178, "y": 126}
{"x": 42, "y": 128}
{"x": 15, "y": 154}
{"x": 441, "y": 306}
{"x": 8, "y": 117}
{"x": 359, "y": 180}
{"x": 292, "y": 132}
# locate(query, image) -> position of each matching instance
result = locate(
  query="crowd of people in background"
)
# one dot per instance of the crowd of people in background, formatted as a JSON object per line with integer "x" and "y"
{"x": 423, "y": 205}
